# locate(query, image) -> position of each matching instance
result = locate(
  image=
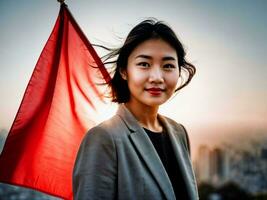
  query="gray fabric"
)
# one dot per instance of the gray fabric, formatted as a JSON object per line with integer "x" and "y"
{"x": 117, "y": 160}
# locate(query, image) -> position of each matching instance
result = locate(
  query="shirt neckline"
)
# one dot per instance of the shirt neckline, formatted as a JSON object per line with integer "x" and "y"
{"x": 154, "y": 132}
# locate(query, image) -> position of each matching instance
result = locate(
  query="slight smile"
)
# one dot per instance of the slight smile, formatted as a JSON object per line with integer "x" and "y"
{"x": 155, "y": 91}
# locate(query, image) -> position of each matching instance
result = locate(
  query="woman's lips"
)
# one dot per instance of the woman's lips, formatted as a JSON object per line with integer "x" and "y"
{"x": 155, "y": 91}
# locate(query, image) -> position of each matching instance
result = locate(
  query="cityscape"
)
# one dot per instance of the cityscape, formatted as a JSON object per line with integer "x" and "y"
{"x": 244, "y": 167}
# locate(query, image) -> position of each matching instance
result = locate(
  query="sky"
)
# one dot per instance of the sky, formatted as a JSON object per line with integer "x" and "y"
{"x": 225, "y": 40}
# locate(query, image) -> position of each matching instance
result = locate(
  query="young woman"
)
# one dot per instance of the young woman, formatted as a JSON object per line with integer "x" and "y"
{"x": 138, "y": 153}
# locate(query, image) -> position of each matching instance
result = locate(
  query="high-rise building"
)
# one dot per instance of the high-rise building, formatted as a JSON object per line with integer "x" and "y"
{"x": 203, "y": 166}
{"x": 217, "y": 166}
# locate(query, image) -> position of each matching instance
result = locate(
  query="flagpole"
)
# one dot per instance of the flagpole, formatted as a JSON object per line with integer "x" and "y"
{"x": 61, "y": 1}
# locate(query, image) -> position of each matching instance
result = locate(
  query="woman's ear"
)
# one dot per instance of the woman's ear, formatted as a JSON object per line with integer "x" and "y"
{"x": 123, "y": 74}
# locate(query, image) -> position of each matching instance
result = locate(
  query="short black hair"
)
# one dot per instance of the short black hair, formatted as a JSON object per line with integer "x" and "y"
{"x": 147, "y": 29}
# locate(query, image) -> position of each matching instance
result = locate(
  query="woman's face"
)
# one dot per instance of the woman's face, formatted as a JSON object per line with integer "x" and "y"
{"x": 152, "y": 73}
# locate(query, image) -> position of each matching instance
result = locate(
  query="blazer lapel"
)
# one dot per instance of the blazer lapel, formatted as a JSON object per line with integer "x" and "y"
{"x": 182, "y": 157}
{"x": 147, "y": 151}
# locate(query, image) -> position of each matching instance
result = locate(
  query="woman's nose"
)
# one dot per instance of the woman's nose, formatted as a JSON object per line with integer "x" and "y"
{"x": 156, "y": 75}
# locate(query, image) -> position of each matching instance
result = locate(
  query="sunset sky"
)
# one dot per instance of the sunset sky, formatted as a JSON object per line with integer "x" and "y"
{"x": 225, "y": 40}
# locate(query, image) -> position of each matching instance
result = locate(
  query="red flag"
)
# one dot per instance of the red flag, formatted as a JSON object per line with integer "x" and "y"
{"x": 56, "y": 111}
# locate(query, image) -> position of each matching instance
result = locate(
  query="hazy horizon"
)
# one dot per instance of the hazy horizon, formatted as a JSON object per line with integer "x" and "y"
{"x": 215, "y": 135}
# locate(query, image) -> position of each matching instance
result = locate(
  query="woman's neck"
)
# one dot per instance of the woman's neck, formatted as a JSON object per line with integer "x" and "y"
{"x": 146, "y": 116}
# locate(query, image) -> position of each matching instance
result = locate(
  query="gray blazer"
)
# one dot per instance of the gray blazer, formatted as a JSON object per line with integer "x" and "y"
{"x": 117, "y": 160}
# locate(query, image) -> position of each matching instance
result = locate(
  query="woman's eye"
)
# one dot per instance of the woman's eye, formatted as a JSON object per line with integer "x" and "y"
{"x": 143, "y": 64}
{"x": 169, "y": 66}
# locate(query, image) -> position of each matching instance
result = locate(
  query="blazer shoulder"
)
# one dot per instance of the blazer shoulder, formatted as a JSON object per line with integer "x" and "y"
{"x": 97, "y": 132}
{"x": 111, "y": 128}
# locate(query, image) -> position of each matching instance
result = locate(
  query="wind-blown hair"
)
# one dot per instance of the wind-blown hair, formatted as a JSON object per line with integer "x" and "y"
{"x": 147, "y": 29}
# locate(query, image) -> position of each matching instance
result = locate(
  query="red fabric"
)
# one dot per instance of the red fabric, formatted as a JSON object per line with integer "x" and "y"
{"x": 56, "y": 111}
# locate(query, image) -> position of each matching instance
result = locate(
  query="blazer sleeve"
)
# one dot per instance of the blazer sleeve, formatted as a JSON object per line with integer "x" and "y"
{"x": 94, "y": 174}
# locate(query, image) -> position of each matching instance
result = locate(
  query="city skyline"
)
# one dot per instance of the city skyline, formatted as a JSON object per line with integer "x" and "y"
{"x": 246, "y": 167}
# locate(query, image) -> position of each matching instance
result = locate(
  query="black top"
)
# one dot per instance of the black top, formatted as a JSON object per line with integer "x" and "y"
{"x": 163, "y": 146}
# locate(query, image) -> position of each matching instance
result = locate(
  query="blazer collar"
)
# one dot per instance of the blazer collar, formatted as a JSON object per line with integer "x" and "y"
{"x": 181, "y": 154}
{"x": 152, "y": 160}
{"x": 146, "y": 149}
{"x": 128, "y": 118}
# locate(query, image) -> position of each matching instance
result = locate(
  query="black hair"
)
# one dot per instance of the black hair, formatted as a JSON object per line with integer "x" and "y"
{"x": 147, "y": 29}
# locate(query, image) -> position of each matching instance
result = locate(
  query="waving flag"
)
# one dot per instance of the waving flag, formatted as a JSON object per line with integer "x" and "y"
{"x": 57, "y": 109}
